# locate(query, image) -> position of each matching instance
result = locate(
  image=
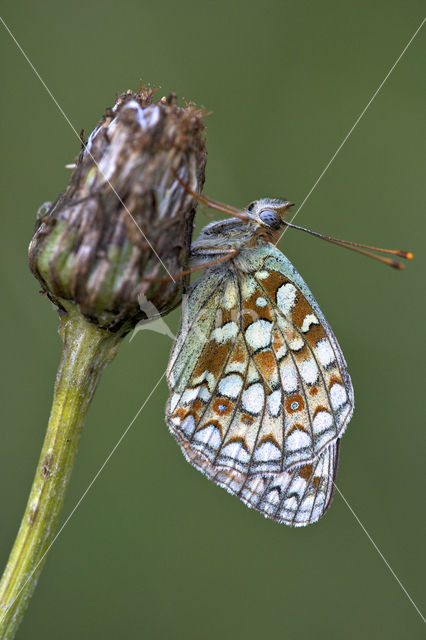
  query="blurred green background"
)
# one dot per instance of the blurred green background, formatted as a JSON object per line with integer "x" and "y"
{"x": 155, "y": 550}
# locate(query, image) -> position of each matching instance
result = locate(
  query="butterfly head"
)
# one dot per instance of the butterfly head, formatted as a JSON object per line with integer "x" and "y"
{"x": 260, "y": 222}
{"x": 268, "y": 214}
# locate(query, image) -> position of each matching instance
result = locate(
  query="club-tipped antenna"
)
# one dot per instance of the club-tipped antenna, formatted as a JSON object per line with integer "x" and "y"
{"x": 358, "y": 247}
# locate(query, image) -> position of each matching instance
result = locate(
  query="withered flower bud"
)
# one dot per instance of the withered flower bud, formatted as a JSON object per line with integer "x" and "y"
{"x": 124, "y": 215}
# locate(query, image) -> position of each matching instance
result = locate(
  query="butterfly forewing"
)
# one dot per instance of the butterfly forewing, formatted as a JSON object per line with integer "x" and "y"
{"x": 260, "y": 392}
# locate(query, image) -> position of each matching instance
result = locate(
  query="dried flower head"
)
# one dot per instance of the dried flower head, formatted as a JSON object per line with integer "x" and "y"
{"x": 124, "y": 215}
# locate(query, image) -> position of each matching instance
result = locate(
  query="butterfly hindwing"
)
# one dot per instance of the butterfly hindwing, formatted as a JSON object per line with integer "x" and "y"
{"x": 297, "y": 497}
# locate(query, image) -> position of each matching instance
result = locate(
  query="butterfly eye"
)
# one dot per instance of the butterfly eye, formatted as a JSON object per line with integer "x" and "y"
{"x": 271, "y": 218}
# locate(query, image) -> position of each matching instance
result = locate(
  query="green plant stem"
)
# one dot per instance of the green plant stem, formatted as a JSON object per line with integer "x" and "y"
{"x": 86, "y": 351}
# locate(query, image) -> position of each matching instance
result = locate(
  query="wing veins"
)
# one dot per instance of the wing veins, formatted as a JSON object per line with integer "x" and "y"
{"x": 283, "y": 421}
{"x": 190, "y": 325}
{"x": 343, "y": 375}
{"x": 338, "y": 354}
{"x": 213, "y": 393}
{"x": 235, "y": 409}
{"x": 263, "y": 382}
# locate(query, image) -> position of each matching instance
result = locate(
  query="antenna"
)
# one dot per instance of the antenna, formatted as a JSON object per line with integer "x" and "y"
{"x": 358, "y": 247}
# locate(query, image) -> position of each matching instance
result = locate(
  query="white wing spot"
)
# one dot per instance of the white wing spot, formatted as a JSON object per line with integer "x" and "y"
{"x": 274, "y": 403}
{"x": 253, "y": 398}
{"x": 189, "y": 395}
{"x": 209, "y": 435}
{"x": 322, "y": 421}
{"x": 230, "y": 298}
{"x": 262, "y": 275}
{"x": 338, "y": 395}
{"x": 298, "y": 485}
{"x": 273, "y": 496}
{"x": 286, "y": 296}
{"x": 324, "y": 352}
{"x": 204, "y": 393}
{"x": 211, "y": 381}
{"x": 296, "y": 344}
{"x": 230, "y": 386}
{"x": 188, "y": 425}
{"x": 236, "y": 451}
{"x": 258, "y": 334}
{"x": 290, "y": 504}
{"x": 267, "y": 452}
{"x": 280, "y": 353}
{"x": 307, "y": 321}
{"x": 225, "y": 333}
{"x": 297, "y": 440}
{"x": 288, "y": 376}
{"x": 261, "y": 302}
{"x": 248, "y": 287}
{"x": 234, "y": 366}
{"x": 309, "y": 371}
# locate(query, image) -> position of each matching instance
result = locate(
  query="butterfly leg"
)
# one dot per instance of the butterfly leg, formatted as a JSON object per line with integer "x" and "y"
{"x": 228, "y": 255}
{"x": 213, "y": 204}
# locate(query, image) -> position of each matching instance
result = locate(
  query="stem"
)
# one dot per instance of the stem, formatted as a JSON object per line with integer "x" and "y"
{"x": 87, "y": 350}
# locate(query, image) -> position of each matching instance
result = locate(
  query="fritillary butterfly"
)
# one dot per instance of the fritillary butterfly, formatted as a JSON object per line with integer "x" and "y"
{"x": 260, "y": 393}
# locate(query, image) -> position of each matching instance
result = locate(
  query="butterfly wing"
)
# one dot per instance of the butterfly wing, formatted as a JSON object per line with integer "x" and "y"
{"x": 260, "y": 392}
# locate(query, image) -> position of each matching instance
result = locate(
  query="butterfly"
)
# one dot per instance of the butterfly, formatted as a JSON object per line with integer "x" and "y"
{"x": 260, "y": 395}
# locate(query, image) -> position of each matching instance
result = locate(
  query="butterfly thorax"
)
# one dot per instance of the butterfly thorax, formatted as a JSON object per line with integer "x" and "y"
{"x": 264, "y": 221}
